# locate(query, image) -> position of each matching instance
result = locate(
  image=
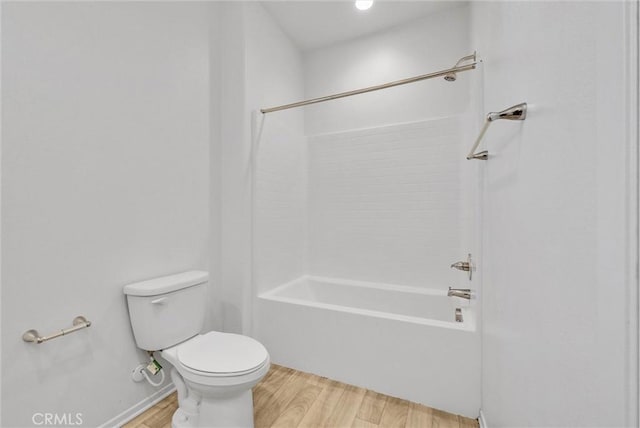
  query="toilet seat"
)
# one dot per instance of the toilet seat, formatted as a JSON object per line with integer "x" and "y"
{"x": 222, "y": 354}
{"x": 217, "y": 354}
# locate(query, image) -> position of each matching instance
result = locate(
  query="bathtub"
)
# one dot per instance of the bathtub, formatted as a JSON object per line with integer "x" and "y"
{"x": 397, "y": 340}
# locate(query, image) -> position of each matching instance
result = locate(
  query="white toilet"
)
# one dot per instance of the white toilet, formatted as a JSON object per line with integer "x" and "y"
{"x": 213, "y": 372}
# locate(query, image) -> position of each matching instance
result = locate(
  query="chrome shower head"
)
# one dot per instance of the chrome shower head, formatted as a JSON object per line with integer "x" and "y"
{"x": 451, "y": 77}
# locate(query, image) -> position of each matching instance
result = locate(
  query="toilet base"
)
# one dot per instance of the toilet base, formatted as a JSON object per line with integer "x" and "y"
{"x": 218, "y": 412}
{"x": 236, "y": 411}
{"x": 213, "y": 401}
{"x": 181, "y": 420}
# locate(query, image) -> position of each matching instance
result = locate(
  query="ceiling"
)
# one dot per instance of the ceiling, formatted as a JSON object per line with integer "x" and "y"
{"x": 315, "y": 24}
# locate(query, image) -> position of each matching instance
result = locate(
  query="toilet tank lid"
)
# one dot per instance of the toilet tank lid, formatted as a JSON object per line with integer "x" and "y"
{"x": 166, "y": 284}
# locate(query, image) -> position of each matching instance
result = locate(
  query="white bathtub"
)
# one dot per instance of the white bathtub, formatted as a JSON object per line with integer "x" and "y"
{"x": 400, "y": 341}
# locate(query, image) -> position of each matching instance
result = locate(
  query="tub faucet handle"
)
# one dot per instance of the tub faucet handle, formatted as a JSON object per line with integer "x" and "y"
{"x": 464, "y": 266}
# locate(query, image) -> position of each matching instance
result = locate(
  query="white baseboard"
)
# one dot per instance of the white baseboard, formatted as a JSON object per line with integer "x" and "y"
{"x": 482, "y": 421}
{"x": 140, "y": 407}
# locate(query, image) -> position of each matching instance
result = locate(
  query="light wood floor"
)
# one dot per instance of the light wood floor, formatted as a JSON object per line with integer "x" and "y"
{"x": 290, "y": 398}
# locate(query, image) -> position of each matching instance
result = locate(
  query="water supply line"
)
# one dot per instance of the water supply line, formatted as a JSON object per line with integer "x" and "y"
{"x": 140, "y": 372}
{"x": 152, "y": 383}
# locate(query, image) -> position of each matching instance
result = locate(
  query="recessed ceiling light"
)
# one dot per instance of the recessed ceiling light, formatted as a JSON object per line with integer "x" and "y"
{"x": 364, "y": 4}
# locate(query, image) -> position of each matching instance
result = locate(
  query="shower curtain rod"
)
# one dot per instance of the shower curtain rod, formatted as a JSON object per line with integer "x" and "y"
{"x": 449, "y": 75}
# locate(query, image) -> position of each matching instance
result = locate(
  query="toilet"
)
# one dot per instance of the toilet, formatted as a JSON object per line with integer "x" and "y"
{"x": 213, "y": 372}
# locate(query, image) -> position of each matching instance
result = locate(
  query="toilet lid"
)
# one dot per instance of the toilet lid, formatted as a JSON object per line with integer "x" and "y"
{"x": 217, "y": 352}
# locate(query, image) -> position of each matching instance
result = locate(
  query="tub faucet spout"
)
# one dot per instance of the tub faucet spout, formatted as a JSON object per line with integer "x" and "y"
{"x": 464, "y": 293}
{"x": 465, "y": 266}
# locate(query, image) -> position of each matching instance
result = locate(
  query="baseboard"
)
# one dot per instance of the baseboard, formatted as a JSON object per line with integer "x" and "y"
{"x": 140, "y": 407}
{"x": 482, "y": 421}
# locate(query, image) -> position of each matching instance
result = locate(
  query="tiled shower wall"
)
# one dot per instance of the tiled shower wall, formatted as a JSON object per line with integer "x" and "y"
{"x": 281, "y": 202}
{"x": 385, "y": 203}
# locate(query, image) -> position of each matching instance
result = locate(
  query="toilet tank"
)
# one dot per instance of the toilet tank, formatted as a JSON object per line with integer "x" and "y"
{"x": 167, "y": 310}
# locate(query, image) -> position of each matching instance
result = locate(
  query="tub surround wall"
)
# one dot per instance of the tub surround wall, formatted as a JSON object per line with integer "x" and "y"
{"x": 385, "y": 203}
{"x": 105, "y": 181}
{"x": 368, "y": 187}
{"x": 281, "y": 204}
{"x": 557, "y": 302}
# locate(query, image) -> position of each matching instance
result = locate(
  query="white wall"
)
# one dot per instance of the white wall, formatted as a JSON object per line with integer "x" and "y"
{"x": 274, "y": 77}
{"x": 105, "y": 176}
{"x": 428, "y": 44}
{"x": 259, "y": 67}
{"x": 218, "y": 53}
{"x": 235, "y": 178}
{"x": 557, "y": 301}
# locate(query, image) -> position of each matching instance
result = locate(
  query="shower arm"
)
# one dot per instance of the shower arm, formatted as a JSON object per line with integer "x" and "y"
{"x": 516, "y": 112}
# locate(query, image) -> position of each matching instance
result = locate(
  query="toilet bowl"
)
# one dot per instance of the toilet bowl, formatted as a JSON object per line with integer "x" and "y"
{"x": 218, "y": 370}
{"x": 213, "y": 372}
